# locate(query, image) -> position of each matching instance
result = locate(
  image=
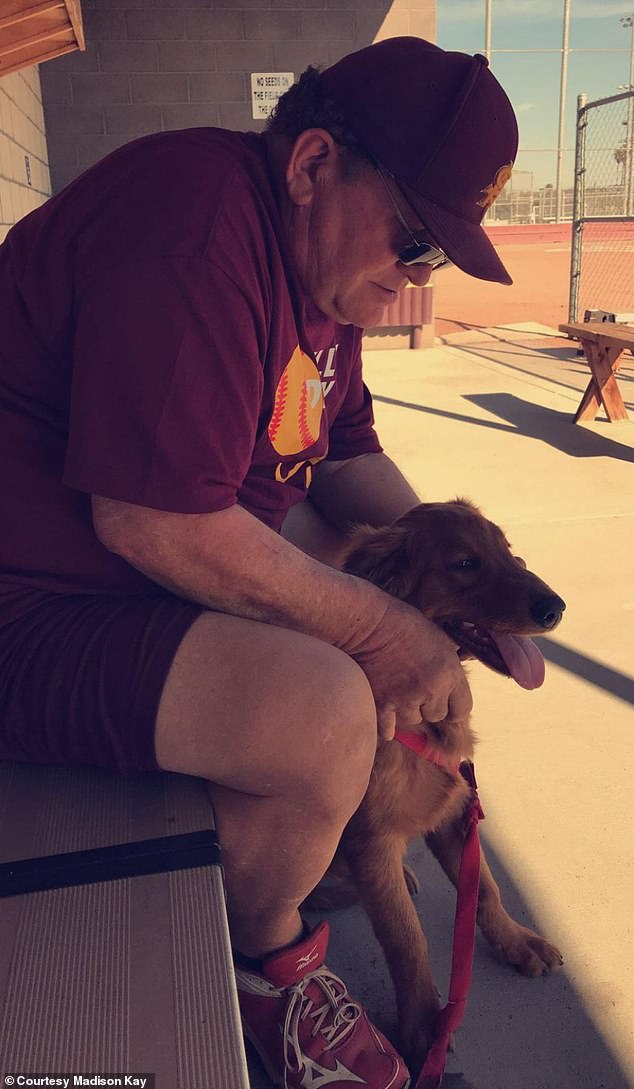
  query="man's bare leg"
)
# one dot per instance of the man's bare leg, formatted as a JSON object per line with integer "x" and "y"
{"x": 284, "y": 728}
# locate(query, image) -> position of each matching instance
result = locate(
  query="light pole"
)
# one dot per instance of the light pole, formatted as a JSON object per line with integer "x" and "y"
{"x": 487, "y": 29}
{"x": 562, "y": 111}
{"x": 628, "y": 21}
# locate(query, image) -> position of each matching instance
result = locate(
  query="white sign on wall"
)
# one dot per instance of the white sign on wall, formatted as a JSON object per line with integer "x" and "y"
{"x": 266, "y": 88}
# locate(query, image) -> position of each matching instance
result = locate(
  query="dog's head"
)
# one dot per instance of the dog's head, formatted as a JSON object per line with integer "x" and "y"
{"x": 454, "y": 565}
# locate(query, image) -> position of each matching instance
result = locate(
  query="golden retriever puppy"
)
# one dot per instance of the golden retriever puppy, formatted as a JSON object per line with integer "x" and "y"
{"x": 454, "y": 565}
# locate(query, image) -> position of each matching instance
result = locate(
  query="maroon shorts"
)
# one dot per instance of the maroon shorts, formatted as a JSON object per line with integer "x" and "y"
{"x": 81, "y": 678}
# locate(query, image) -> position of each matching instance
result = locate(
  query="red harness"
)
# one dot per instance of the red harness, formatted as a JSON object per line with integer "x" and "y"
{"x": 451, "y": 1015}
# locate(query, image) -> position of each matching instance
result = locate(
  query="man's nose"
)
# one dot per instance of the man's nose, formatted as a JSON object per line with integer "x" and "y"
{"x": 418, "y": 275}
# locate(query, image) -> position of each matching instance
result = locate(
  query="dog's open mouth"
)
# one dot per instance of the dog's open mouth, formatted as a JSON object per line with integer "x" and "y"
{"x": 515, "y": 656}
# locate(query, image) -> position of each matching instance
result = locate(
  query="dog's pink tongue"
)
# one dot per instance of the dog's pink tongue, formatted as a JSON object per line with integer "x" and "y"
{"x": 523, "y": 658}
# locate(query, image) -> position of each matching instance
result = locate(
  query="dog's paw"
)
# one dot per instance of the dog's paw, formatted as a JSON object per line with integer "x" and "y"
{"x": 417, "y": 1033}
{"x": 415, "y": 1046}
{"x": 532, "y": 955}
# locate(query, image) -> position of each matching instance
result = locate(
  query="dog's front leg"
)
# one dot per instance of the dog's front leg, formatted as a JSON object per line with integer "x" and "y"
{"x": 513, "y": 943}
{"x": 376, "y": 864}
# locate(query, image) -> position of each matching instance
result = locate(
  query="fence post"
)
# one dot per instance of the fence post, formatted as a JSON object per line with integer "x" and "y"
{"x": 578, "y": 206}
{"x": 629, "y": 154}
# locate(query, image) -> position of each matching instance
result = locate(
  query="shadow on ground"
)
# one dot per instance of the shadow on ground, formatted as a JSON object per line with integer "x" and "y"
{"x": 531, "y": 420}
{"x": 550, "y": 426}
{"x": 594, "y": 672}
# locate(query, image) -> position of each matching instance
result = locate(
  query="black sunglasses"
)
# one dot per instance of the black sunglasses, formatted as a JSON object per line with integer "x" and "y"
{"x": 419, "y": 251}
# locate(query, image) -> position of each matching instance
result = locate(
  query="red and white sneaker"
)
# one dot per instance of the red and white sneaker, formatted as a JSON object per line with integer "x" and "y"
{"x": 307, "y": 1030}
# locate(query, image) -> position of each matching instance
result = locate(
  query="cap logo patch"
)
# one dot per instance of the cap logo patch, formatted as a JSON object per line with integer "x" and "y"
{"x": 492, "y": 192}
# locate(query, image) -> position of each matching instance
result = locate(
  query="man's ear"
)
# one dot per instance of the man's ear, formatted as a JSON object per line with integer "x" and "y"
{"x": 313, "y": 149}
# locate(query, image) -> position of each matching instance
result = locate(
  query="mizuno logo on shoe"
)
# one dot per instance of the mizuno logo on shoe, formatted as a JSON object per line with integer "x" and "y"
{"x": 316, "y": 1076}
{"x": 307, "y": 959}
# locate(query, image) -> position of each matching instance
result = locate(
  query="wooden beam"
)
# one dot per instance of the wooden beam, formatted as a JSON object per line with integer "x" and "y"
{"x": 31, "y": 33}
{"x": 20, "y": 13}
{"x": 35, "y": 39}
{"x": 74, "y": 13}
{"x": 26, "y": 58}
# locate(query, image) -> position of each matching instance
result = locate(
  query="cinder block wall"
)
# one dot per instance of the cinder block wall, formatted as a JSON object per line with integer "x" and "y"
{"x": 152, "y": 65}
{"x": 24, "y": 174}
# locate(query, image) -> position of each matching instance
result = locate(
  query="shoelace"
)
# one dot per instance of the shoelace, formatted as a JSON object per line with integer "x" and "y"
{"x": 334, "y": 1019}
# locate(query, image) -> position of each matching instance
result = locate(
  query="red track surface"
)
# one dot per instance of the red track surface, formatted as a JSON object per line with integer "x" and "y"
{"x": 538, "y": 258}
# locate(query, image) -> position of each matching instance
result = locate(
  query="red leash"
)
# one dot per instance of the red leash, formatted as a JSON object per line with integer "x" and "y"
{"x": 451, "y": 1015}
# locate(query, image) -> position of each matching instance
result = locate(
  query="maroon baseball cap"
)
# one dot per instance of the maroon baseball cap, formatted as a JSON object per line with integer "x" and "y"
{"x": 442, "y": 125}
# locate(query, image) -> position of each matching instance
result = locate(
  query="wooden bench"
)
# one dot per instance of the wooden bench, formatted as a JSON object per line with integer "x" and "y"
{"x": 603, "y": 344}
{"x": 114, "y": 946}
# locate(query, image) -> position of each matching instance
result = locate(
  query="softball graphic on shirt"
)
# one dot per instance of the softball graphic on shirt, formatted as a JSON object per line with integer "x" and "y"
{"x": 299, "y": 404}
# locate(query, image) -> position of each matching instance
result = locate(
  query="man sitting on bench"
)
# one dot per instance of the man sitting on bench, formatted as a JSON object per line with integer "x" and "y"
{"x": 179, "y": 369}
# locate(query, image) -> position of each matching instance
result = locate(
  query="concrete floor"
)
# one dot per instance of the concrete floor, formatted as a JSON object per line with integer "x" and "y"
{"x": 489, "y": 416}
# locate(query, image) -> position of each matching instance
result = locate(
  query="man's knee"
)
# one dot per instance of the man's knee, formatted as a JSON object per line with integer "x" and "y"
{"x": 345, "y": 705}
{"x": 337, "y": 737}
{"x": 322, "y": 743}
{"x": 320, "y": 719}
{"x": 266, "y": 711}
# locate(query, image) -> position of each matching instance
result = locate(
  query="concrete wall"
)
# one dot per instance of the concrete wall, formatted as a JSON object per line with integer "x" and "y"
{"x": 24, "y": 174}
{"x": 152, "y": 65}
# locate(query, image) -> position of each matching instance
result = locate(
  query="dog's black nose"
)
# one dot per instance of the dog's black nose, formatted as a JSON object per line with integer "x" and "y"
{"x": 546, "y": 611}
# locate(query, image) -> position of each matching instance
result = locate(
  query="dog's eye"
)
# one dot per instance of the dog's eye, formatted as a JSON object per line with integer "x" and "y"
{"x": 470, "y": 563}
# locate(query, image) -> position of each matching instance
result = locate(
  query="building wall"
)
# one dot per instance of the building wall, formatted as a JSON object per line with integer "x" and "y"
{"x": 24, "y": 172}
{"x": 153, "y": 65}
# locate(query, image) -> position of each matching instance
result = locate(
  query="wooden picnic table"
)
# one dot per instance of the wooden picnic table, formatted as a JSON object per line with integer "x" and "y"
{"x": 603, "y": 344}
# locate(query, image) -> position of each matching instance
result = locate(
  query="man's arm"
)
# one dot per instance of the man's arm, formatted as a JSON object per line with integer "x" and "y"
{"x": 369, "y": 488}
{"x": 231, "y": 562}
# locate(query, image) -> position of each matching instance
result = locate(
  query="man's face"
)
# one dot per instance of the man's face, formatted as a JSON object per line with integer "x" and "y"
{"x": 348, "y": 243}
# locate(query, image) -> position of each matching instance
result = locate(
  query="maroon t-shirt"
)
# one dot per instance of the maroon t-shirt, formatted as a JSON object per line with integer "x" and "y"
{"x": 156, "y": 348}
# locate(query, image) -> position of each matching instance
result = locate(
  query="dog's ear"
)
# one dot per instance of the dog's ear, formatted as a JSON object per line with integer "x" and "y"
{"x": 382, "y": 556}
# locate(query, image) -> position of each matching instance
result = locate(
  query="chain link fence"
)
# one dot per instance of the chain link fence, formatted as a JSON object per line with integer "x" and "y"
{"x": 602, "y": 263}
{"x": 520, "y": 203}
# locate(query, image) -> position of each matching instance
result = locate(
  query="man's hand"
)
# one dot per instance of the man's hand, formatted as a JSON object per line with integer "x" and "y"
{"x": 413, "y": 669}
